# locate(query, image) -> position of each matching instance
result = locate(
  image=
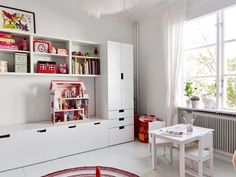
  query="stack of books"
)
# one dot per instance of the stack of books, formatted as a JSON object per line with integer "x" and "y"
{"x": 85, "y": 66}
{"x": 7, "y": 42}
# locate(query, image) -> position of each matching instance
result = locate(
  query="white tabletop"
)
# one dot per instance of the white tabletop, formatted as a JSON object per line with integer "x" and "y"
{"x": 186, "y": 137}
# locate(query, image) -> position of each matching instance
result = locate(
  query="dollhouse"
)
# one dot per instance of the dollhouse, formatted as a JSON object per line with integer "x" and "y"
{"x": 69, "y": 101}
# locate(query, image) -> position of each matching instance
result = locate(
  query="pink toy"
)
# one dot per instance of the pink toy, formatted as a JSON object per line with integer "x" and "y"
{"x": 62, "y": 69}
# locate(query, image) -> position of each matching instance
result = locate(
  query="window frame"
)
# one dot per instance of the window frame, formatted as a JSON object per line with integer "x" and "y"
{"x": 221, "y": 81}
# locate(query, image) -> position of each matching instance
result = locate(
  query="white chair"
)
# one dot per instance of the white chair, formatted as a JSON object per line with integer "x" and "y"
{"x": 200, "y": 154}
{"x": 234, "y": 160}
{"x": 159, "y": 142}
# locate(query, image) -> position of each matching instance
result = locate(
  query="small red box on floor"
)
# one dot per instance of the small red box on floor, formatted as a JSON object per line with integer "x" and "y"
{"x": 46, "y": 67}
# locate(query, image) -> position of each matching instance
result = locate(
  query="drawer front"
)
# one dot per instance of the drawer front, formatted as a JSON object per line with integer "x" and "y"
{"x": 21, "y": 58}
{"x": 21, "y": 68}
{"x": 121, "y": 122}
{"x": 121, "y": 113}
{"x": 121, "y": 134}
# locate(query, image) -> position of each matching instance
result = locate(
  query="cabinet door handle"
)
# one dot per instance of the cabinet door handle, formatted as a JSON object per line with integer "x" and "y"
{"x": 122, "y": 76}
{"x": 97, "y": 123}
{"x": 41, "y": 131}
{"x": 72, "y": 126}
{"x": 5, "y": 136}
{"x": 121, "y": 110}
{"x": 123, "y": 127}
{"x": 121, "y": 119}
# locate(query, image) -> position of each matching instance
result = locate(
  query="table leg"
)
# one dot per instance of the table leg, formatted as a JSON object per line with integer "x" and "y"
{"x": 182, "y": 160}
{"x": 154, "y": 153}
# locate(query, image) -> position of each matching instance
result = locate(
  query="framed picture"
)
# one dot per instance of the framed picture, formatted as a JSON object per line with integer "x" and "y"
{"x": 17, "y": 20}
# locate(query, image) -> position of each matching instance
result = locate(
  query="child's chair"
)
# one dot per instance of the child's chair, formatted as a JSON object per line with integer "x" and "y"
{"x": 159, "y": 142}
{"x": 202, "y": 153}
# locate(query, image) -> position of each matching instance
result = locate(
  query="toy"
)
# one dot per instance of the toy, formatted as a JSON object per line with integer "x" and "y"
{"x": 95, "y": 52}
{"x": 42, "y": 46}
{"x": 208, "y": 103}
{"x": 23, "y": 44}
{"x": 53, "y": 50}
{"x": 87, "y": 54}
{"x": 62, "y": 69}
{"x": 66, "y": 101}
{"x": 46, "y": 67}
{"x": 61, "y": 51}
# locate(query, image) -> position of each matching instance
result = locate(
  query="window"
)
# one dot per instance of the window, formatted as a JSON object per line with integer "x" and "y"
{"x": 210, "y": 56}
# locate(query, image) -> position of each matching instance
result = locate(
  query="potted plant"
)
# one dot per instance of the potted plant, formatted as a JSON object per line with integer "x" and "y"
{"x": 188, "y": 92}
{"x": 195, "y": 101}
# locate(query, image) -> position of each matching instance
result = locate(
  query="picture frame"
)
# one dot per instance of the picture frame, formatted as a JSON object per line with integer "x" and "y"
{"x": 18, "y": 20}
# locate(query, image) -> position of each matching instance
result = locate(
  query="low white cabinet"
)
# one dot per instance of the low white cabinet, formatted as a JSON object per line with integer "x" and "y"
{"x": 27, "y": 144}
{"x": 82, "y": 137}
{"x": 27, "y": 147}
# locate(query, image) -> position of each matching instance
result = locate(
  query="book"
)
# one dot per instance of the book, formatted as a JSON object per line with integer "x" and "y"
{"x": 5, "y": 35}
{"x": 6, "y": 41}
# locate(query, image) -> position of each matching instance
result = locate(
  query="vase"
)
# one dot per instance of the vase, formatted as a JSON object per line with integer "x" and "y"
{"x": 195, "y": 104}
{"x": 189, "y": 127}
{"x": 188, "y": 103}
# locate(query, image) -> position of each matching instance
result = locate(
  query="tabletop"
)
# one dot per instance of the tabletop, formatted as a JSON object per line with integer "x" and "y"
{"x": 182, "y": 135}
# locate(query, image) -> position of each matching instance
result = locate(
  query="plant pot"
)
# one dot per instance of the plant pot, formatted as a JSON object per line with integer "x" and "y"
{"x": 195, "y": 104}
{"x": 188, "y": 103}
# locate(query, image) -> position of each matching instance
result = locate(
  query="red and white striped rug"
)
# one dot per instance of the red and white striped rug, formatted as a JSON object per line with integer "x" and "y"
{"x": 91, "y": 171}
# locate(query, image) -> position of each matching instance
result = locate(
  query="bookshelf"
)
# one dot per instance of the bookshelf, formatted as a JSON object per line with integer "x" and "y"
{"x": 76, "y": 65}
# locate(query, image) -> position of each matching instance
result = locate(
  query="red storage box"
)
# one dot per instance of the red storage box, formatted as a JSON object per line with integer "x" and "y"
{"x": 46, "y": 67}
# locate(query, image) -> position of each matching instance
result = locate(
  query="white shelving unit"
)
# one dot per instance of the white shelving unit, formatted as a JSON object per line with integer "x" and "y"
{"x": 57, "y": 42}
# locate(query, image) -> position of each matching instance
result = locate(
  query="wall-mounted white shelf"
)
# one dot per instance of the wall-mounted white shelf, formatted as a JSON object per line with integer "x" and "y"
{"x": 84, "y": 57}
{"x": 49, "y": 54}
{"x": 13, "y": 51}
{"x": 91, "y": 69}
{"x": 82, "y": 98}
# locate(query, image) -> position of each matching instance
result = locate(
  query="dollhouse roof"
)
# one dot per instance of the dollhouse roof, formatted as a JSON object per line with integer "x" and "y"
{"x": 55, "y": 84}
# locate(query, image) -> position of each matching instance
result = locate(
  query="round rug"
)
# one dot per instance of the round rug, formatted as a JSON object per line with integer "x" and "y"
{"x": 91, "y": 171}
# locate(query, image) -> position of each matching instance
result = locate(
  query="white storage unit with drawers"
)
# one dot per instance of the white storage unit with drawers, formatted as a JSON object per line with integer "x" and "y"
{"x": 114, "y": 92}
{"x": 27, "y": 144}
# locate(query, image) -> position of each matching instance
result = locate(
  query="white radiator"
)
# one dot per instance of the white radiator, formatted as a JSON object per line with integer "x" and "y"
{"x": 225, "y": 130}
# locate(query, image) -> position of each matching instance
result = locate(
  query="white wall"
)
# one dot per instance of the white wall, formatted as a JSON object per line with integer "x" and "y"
{"x": 26, "y": 99}
{"x": 151, "y": 62}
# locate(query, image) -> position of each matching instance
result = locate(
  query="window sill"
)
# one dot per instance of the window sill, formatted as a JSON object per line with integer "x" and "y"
{"x": 225, "y": 111}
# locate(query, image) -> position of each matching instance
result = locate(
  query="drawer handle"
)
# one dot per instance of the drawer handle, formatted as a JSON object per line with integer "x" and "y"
{"x": 121, "y": 119}
{"x": 41, "y": 131}
{"x": 122, "y": 127}
{"x": 72, "y": 126}
{"x": 5, "y": 136}
{"x": 121, "y": 110}
{"x": 97, "y": 123}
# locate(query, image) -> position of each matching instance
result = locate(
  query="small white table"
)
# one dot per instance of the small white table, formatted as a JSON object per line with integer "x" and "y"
{"x": 180, "y": 140}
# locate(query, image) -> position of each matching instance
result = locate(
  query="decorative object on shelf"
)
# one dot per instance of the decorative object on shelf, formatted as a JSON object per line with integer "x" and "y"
{"x": 3, "y": 66}
{"x": 62, "y": 51}
{"x": 20, "y": 63}
{"x": 46, "y": 67}
{"x": 42, "y": 46}
{"x": 95, "y": 52}
{"x": 188, "y": 119}
{"x": 188, "y": 92}
{"x": 195, "y": 101}
{"x": 92, "y": 171}
{"x": 208, "y": 102}
{"x": 23, "y": 44}
{"x": 87, "y": 54}
{"x": 69, "y": 101}
{"x": 62, "y": 69}
{"x": 53, "y": 50}
{"x": 17, "y": 19}
{"x": 97, "y": 8}
{"x": 7, "y": 41}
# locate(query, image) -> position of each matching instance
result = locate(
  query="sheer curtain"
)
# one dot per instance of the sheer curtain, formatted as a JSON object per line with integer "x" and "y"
{"x": 173, "y": 17}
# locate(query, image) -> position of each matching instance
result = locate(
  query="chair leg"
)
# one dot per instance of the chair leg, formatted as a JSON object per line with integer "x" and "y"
{"x": 164, "y": 151}
{"x": 171, "y": 155}
{"x": 149, "y": 149}
{"x": 200, "y": 169}
{"x": 211, "y": 167}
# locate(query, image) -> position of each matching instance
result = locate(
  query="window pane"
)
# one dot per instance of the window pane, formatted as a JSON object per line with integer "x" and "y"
{"x": 230, "y": 23}
{"x": 230, "y": 58}
{"x": 230, "y": 92}
{"x": 200, "y": 32}
{"x": 200, "y": 62}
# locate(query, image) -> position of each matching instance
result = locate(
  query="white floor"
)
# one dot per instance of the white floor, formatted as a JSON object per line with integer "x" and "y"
{"x": 132, "y": 157}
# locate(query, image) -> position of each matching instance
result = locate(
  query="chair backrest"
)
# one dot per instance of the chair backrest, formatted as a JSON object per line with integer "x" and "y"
{"x": 205, "y": 142}
{"x": 156, "y": 125}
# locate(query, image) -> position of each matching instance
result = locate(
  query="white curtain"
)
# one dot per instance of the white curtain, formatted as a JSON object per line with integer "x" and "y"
{"x": 173, "y": 17}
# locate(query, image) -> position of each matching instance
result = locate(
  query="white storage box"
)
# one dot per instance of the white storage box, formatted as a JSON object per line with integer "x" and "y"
{"x": 20, "y": 68}
{"x": 3, "y": 66}
{"x": 20, "y": 59}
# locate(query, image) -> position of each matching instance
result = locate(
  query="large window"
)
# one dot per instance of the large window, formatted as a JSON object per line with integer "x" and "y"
{"x": 210, "y": 57}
